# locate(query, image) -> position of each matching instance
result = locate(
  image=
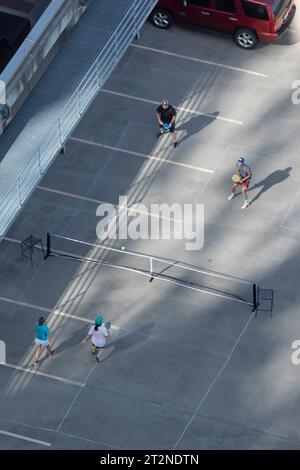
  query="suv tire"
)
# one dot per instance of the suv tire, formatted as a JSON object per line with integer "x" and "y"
{"x": 161, "y": 18}
{"x": 245, "y": 38}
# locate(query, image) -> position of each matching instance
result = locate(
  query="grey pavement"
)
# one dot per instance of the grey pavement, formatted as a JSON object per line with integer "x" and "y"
{"x": 183, "y": 369}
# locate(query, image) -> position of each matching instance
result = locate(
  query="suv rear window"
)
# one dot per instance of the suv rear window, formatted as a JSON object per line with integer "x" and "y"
{"x": 277, "y": 6}
{"x": 254, "y": 10}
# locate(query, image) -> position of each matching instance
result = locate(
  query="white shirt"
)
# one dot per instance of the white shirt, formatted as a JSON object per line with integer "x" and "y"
{"x": 98, "y": 337}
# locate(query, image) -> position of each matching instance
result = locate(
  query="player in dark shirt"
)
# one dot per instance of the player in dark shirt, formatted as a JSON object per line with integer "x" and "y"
{"x": 166, "y": 114}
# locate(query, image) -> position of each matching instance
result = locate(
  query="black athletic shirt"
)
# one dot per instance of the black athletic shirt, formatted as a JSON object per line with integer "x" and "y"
{"x": 166, "y": 115}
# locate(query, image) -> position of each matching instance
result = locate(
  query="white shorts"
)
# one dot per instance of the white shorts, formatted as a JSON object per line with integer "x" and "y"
{"x": 98, "y": 347}
{"x": 40, "y": 342}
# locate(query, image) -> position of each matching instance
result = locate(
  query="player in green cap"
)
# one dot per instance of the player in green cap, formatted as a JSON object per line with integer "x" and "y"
{"x": 98, "y": 333}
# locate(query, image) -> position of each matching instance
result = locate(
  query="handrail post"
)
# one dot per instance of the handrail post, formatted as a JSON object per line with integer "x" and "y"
{"x": 48, "y": 250}
{"x": 98, "y": 74}
{"x": 116, "y": 45}
{"x": 19, "y": 192}
{"x": 59, "y": 131}
{"x": 78, "y": 99}
{"x": 254, "y": 298}
{"x": 134, "y": 14}
{"x": 151, "y": 269}
{"x": 39, "y": 158}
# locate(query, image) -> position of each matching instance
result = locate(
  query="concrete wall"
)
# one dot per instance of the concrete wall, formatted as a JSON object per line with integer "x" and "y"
{"x": 33, "y": 57}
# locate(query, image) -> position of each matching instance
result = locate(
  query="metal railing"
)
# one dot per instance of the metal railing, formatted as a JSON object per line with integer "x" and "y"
{"x": 15, "y": 194}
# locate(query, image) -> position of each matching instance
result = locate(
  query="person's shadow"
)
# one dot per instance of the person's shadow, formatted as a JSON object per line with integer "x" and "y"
{"x": 276, "y": 177}
{"x": 196, "y": 124}
{"x": 73, "y": 341}
{"x": 139, "y": 336}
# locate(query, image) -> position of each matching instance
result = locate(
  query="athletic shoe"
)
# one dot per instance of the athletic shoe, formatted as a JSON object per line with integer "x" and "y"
{"x": 175, "y": 144}
{"x": 245, "y": 205}
{"x": 97, "y": 359}
{"x": 231, "y": 196}
{"x": 36, "y": 363}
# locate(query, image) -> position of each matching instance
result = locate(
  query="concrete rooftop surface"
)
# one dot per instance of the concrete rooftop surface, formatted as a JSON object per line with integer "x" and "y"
{"x": 183, "y": 369}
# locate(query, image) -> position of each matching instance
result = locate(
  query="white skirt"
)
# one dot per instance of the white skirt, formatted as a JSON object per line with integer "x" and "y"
{"x": 43, "y": 343}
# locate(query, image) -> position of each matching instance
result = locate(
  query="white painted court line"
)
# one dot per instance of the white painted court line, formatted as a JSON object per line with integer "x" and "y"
{"x": 57, "y": 312}
{"x": 142, "y": 155}
{"x": 215, "y": 380}
{"x": 12, "y": 240}
{"x": 292, "y": 203}
{"x": 96, "y": 201}
{"x": 86, "y": 320}
{"x": 25, "y": 304}
{"x": 24, "y": 438}
{"x": 74, "y": 400}
{"x": 180, "y": 108}
{"x": 43, "y": 374}
{"x": 201, "y": 61}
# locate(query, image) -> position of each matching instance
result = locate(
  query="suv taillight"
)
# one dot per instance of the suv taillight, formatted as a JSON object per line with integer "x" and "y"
{"x": 272, "y": 21}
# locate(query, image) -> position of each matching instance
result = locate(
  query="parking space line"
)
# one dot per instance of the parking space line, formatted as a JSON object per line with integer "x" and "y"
{"x": 74, "y": 400}
{"x": 24, "y": 304}
{"x": 57, "y": 312}
{"x": 25, "y": 438}
{"x": 287, "y": 213}
{"x": 43, "y": 374}
{"x": 86, "y": 320}
{"x": 180, "y": 108}
{"x": 64, "y": 433}
{"x": 142, "y": 155}
{"x": 96, "y": 201}
{"x": 201, "y": 61}
{"x": 212, "y": 384}
{"x": 12, "y": 240}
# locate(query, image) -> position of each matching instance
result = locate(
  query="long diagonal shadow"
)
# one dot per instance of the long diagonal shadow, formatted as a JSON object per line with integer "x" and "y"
{"x": 133, "y": 338}
{"x": 196, "y": 124}
{"x": 267, "y": 183}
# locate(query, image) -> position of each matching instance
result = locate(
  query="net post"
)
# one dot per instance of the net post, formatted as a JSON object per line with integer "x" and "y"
{"x": 254, "y": 297}
{"x": 48, "y": 250}
{"x": 151, "y": 269}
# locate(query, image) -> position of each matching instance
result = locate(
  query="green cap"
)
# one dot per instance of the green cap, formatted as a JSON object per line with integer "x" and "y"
{"x": 99, "y": 320}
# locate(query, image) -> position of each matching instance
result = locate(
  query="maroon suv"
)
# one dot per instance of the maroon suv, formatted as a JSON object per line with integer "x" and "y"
{"x": 248, "y": 21}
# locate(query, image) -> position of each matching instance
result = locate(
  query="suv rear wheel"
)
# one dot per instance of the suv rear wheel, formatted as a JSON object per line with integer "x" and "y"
{"x": 246, "y": 38}
{"x": 161, "y": 18}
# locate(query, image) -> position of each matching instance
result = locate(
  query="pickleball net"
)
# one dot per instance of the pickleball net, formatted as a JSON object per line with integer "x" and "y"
{"x": 155, "y": 268}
